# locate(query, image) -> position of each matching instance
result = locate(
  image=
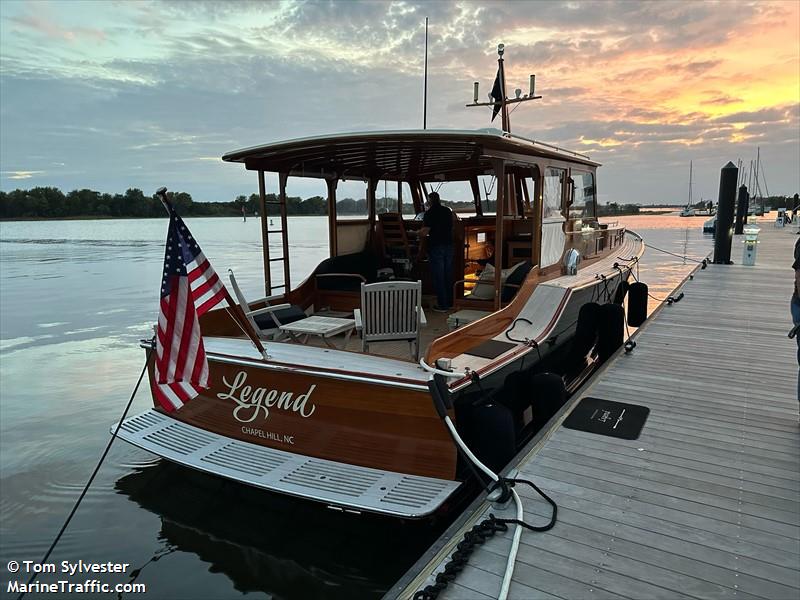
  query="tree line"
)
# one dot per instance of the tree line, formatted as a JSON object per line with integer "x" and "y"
{"x": 52, "y": 203}
{"x": 611, "y": 209}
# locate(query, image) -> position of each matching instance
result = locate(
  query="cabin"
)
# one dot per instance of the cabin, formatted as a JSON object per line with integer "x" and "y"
{"x": 544, "y": 206}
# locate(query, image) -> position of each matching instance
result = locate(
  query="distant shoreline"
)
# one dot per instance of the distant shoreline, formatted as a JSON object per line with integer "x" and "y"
{"x": 108, "y": 218}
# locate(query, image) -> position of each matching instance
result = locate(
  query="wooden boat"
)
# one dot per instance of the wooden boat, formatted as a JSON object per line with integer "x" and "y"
{"x": 358, "y": 430}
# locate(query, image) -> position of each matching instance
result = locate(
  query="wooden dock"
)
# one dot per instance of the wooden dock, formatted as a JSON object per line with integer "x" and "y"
{"x": 706, "y": 503}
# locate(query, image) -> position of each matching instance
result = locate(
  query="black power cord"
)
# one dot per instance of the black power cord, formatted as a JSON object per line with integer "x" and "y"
{"x": 479, "y": 533}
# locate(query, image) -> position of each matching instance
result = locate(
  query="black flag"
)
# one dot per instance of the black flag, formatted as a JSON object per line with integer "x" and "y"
{"x": 496, "y": 95}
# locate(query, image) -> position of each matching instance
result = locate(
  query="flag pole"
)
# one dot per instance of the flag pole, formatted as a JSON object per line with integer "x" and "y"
{"x": 238, "y": 314}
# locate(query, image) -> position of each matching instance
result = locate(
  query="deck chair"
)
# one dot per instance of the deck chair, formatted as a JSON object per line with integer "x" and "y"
{"x": 267, "y": 321}
{"x": 391, "y": 311}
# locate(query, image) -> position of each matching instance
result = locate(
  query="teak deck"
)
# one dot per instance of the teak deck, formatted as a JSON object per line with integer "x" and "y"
{"x": 706, "y": 503}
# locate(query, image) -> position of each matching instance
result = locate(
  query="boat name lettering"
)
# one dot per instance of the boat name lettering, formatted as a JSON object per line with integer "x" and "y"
{"x": 252, "y": 401}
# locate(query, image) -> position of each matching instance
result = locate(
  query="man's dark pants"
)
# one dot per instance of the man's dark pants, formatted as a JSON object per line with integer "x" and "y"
{"x": 441, "y": 260}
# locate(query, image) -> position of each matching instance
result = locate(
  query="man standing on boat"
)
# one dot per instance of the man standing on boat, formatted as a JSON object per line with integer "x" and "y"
{"x": 438, "y": 225}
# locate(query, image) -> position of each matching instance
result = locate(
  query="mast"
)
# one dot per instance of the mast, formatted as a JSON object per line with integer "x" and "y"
{"x": 690, "y": 184}
{"x": 501, "y": 73}
{"x": 503, "y": 101}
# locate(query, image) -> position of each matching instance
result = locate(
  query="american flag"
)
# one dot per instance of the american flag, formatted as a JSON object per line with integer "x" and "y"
{"x": 189, "y": 288}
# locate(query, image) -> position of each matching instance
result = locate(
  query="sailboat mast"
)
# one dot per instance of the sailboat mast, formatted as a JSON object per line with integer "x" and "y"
{"x": 690, "y": 183}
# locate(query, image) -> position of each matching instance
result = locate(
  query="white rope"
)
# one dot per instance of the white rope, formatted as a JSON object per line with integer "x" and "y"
{"x": 512, "y": 555}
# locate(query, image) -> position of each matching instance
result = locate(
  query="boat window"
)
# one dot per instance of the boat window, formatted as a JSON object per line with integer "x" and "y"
{"x": 351, "y": 199}
{"x": 583, "y": 196}
{"x": 307, "y": 199}
{"x": 385, "y": 197}
{"x": 487, "y": 184}
{"x": 455, "y": 194}
{"x": 553, "y": 184}
{"x": 529, "y": 196}
{"x": 408, "y": 200}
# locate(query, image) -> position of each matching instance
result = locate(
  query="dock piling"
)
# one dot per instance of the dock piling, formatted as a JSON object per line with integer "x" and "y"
{"x": 741, "y": 210}
{"x": 723, "y": 235}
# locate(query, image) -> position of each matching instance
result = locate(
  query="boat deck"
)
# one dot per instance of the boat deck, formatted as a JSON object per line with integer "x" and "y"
{"x": 706, "y": 502}
{"x": 435, "y": 328}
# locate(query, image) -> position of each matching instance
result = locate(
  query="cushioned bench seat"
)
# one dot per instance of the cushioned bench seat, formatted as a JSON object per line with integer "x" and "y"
{"x": 285, "y": 316}
{"x": 345, "y": 273}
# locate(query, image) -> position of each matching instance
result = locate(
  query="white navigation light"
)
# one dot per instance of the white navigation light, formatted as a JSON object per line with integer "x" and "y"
{"x": 518, "y": 92}
{"x": 533, "y": 83}
{"x": 500, "y": 49}
{"x": 475, "y": 92}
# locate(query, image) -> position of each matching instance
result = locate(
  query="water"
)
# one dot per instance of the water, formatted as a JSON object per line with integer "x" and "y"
{"x": 75, "y": 298}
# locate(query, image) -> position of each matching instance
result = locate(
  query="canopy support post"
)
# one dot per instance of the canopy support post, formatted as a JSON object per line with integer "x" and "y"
{"x": 476, "y": 195}
{"x": 499, "y": 244}
{"x": 332, "y": 230}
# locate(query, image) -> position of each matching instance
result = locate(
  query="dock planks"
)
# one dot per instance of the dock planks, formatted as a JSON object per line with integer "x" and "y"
{"x": 706, "y": 503}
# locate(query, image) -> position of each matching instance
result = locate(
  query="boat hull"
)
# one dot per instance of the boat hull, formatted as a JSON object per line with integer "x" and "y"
{"x": 348, "y": 428}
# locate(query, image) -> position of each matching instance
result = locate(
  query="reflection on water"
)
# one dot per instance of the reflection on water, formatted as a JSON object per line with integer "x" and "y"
{"x": 269, "y": 543}
{"x": 76, "y": 296}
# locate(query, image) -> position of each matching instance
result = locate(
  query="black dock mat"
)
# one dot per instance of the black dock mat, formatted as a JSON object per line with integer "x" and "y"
{"x": 490, "y": 349}
{"x": 606, "y": 417}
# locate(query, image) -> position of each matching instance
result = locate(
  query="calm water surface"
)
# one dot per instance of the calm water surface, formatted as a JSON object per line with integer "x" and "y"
{"x": 75, "y": 298}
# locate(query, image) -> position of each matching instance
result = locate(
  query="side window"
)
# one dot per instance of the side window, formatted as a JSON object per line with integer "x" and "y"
{"x": 351, "y": 200}
{"x": 553, "y": 184}
{"x": 583, "y": 202}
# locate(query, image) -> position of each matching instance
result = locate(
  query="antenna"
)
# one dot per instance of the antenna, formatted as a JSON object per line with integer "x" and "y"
{"x": 425, "y": 84}
{"x": 500, "y": 103}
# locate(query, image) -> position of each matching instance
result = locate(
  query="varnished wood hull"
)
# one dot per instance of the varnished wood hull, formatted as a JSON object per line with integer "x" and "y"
{"x": 340, "y": 419}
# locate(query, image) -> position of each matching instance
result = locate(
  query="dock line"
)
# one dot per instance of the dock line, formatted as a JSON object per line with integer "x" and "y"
{"x": 488, "y": 527}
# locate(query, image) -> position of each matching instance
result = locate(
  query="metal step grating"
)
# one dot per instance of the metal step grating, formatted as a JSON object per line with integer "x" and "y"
{"x": 142, "y": 421}
{"x": 337, "y": 484}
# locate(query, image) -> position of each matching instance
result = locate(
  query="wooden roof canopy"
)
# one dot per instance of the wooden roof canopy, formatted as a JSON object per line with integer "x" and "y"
{"x": 398, "y": 155}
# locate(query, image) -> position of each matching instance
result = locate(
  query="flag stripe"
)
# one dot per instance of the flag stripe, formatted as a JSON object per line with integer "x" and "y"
{"x": 168, "y": 349}
{"x": 180, "y": 304}
{"x": 188, "y": 336}
{"x": 211, "y": 303}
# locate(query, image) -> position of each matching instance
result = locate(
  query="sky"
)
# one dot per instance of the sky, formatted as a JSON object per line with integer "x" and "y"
{"x": 113, "y": 95}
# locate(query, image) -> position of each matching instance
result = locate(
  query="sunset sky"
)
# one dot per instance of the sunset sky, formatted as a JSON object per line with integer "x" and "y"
{"x": 112, "y": 95}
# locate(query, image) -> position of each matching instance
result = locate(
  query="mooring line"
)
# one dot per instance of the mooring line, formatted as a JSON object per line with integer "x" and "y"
{"x": 682, "y": 256}
{"x": 94, "y": 474}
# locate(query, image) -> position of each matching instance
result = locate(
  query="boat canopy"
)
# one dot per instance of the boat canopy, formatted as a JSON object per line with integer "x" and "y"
{"x": 398, "y": 155}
